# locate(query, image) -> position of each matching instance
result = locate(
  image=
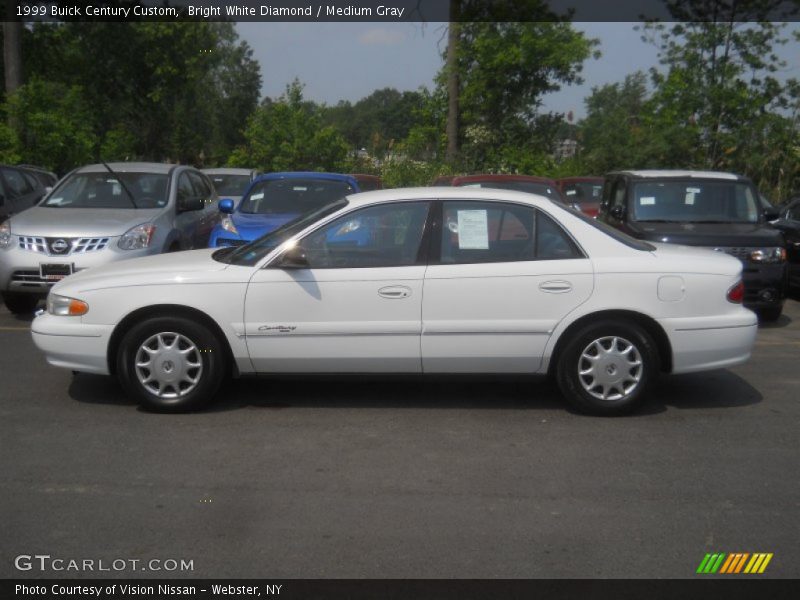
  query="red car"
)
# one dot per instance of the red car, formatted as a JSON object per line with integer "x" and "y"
{"x": 367, "y": 183}
{"x": 520, "y": 183}
{"x": 583, "y": 192}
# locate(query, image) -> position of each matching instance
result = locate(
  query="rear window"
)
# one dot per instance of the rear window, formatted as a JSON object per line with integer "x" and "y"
{"x": 618, "y": 235}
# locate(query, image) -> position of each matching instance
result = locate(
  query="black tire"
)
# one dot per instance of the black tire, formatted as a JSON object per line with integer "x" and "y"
{"x": 20, "y": 304}
{"x": 772, "y": 313}
{"x": 631, "y": 393}
{"x": 174, "y": 397}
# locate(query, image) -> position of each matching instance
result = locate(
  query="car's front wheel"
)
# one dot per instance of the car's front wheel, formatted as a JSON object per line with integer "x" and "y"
{"x": 20, "y": 304}
{"x": 171, "y": 364}
{"x": 607, "y": 367}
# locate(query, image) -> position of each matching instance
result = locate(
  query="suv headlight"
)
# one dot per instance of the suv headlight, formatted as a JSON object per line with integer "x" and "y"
{"x": 137, "y": 237}
{"x": 768, "y": 255}
{"x": 66, "y": 307}
{"x": 227, "y": 224}
{"x": 5, "y": 234}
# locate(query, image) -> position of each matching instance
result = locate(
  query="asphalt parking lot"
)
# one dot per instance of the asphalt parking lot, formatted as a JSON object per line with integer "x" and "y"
{"x": 403, "y": 478}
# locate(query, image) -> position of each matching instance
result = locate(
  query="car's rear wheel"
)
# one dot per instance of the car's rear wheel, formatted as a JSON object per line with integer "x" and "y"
{"x": 607, "y": 367}
{"x": 772, "y": 313}
{"x": 20, "y": 304}
{"x": 171, "y": 364}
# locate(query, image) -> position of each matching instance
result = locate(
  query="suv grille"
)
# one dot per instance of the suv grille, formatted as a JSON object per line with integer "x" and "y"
{"x": 55, "y": 246}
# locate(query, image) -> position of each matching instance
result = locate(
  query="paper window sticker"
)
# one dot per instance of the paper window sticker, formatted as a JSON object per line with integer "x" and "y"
{"x": 258, "y": 196}
{"x": 473, "y": 230}
{"x": 571, "y": 192}
{"x": 689, "y": 198}
{"x": 693, "y": 190}
{"x": 647, "y": 200}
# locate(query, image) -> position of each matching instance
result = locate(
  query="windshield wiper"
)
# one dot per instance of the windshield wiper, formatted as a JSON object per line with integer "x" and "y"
{"x": 122, "y": 184}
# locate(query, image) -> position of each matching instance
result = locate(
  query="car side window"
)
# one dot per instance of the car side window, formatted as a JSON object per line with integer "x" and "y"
{"x": 618, "y": 195}
{"x": 793, "y": 212}
{"x": 387, "y": 235}
{"x": 185, "y": 189}
{"x": 16, "y": 185}
{"x": 202, "y": 190}
{"x": 481, "y": 232}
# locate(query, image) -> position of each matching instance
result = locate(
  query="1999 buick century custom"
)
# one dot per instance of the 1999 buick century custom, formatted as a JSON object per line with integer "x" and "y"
{"x": 430, "y": 280}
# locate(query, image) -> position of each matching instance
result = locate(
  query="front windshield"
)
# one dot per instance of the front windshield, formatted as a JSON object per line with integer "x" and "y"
{"x": 103, "y": 190}
{"x": 529, "y": 187}
{"x": 694, "y": 201}
{"x": 230, "y": 185}
{"x": 251, "y": 253}
{"x": 583, "y": 192}
{"x": 292, "y": 195}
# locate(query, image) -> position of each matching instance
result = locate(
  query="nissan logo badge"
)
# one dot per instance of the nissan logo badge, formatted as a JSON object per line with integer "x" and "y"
{"x": 60, "y": 246}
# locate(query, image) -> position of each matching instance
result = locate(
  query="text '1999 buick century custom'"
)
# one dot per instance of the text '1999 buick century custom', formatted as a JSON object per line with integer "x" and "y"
{"x": 429, "y": 280}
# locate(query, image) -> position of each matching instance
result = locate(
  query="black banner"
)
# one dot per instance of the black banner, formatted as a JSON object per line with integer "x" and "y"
{"x": 402, "y": 10}
{"x": 732, "y": 588}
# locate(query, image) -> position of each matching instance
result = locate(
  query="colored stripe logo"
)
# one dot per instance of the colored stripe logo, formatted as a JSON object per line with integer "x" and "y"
{"x": 734, "y": 563}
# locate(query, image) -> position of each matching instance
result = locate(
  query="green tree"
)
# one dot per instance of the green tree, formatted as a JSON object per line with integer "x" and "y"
{"x": 288, "y": 134}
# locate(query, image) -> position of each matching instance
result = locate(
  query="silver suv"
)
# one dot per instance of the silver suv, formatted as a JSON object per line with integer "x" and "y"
{"x": 98, "y": 214}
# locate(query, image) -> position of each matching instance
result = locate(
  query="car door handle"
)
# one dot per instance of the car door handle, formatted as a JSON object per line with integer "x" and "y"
{"x": 394, "y": 292}
{"x": 555, "y": 287}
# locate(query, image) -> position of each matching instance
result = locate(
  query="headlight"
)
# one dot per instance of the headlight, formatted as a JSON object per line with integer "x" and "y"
{"x": 137, "y": 237}
{"x": 5, "y": 234}
{"x": 227, "y": 225}
{"x": 768, "y": 255}
{"x": 66, "y": 307}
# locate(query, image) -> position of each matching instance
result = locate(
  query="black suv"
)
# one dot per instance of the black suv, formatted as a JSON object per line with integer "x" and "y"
{"x": 715, "y": 210}
{"x": 20, "y": 188}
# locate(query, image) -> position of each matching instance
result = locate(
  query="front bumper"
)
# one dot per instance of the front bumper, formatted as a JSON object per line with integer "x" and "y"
{"x": 69, "y": 343}
{"x": 703, "y": 343}
{"x": 19, "y": 268}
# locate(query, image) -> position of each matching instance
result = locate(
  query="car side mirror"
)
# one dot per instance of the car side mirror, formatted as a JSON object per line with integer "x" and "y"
{"x": 294, "y": 258}
{"x": 226, "y": 206}
{"x": 190, "y": 204}
{"x": 617, "y": 212}
{"x": 771, "y": 213}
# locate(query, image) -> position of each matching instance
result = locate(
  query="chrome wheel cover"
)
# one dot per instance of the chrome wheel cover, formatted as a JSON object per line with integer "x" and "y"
{"x": 168, "y": 365}
{"x": 610, "y": 368}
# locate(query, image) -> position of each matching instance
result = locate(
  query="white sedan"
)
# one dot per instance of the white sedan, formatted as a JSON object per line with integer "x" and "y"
{"x": 429, "y": 280}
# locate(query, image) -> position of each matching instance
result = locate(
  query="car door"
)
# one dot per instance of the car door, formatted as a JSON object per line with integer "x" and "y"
{"x": 501, "y": 277}
{"x": 789, "y": 224}
{"x": 354, "y": 306}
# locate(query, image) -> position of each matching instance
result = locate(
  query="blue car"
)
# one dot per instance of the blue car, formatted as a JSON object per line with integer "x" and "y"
{"x": 275, "y": 199}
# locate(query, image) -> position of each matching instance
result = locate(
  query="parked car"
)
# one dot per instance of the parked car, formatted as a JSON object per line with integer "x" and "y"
{"x": 99, "y": 214}
{"x": 715, "y": 210}
{"x": 451, "y": 280}
{"x": 275, "y": 199}
{"x": 46, "y": 178}
{"x": 368, "y": 183}
{"x": 443, "y": 180}
{"x": 19, "y": 190}
{"x": 230, "y": 182}
{"x": 789, "y": 223}
{"x": 583, "y": 192}
{"x": 530, "y": 184}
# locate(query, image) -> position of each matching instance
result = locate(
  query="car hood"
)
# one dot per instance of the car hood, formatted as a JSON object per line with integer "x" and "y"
{"x": 175, "y": 267}
{"x": 78, "y": 222}
{"x": 709, "y": 234}
{"x": 251, "y": 227}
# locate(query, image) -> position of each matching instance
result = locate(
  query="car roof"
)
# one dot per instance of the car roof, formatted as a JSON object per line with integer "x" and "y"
{"x": 501, "y": 177}
{"x": 307, "y": 175}
{"x": 227, "y": 171}
{"x": 139, "y": 167}
{"x": 446, "y": 193}
{"x": 583, "y": 179}
{"x": 678, "y": 173}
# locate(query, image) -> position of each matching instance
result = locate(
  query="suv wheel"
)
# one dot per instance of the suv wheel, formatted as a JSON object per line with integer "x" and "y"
{"x": 20, "y": 304}
{"x": 773, "y": 313}
{"x": 607, "y": 367}
{"x": 171, "y": 364}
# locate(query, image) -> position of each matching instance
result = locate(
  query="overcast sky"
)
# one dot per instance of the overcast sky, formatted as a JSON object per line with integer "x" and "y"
{"x": 347, "y": 61}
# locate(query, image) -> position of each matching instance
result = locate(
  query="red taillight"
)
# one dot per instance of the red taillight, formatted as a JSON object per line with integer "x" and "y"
{"x": 736, "y": 293}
